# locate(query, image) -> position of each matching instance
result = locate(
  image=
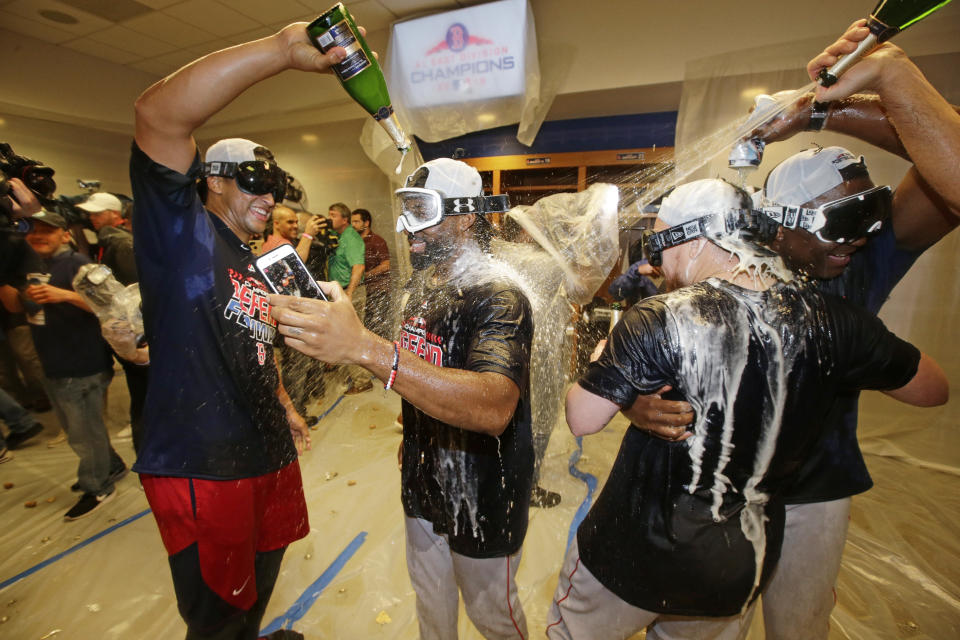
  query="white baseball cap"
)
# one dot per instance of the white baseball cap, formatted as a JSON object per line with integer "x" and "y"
{"x": 811, "y": 173}
{"x": 101, "y": 201}
{"x": 237, "y": 150}
{"x": 450, "y": 178}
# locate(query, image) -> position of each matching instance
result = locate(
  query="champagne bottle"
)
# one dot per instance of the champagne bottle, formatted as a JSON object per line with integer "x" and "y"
{"x": 359, "y": 72}
{"x": 888, "y": 18}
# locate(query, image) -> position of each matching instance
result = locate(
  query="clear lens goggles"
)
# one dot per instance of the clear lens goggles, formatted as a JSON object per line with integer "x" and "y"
{"x": 423, "y": 208}
{"x": 861, "y": 215}
{"x": 255, "y": 177}
{"x": 711, "y": 225}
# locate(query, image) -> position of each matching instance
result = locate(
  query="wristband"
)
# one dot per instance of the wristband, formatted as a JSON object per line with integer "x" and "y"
{"x": 307, "y": 236}
{"x": 819, "y": 112}
{"x": 395, "y": 366}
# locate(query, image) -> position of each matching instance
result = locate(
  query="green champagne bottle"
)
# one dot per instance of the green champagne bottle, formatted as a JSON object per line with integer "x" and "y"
{"x": 888, "y": 18}
{"x": 359, "y": 72}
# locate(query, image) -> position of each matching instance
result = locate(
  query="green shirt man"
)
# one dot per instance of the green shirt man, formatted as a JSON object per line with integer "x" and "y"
{"x": 346, "y": 265}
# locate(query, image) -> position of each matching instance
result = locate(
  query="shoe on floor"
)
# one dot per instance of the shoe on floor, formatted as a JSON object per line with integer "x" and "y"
{"x": 543, "y": 498}
{"x": 15, "y": 439}
{"x": 60, "y": 438}
{"x": 283, "y": 634}
{"x": 115, "y": 476}
{"x": 5, "y": 455}
{"x": 87, "y": 504}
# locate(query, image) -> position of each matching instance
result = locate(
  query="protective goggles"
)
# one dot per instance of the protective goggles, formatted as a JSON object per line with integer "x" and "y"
{"x": 422, "y": 208}
{"x": 255, "y": 177}
{"x": 711, "y": 225}
{"x": 858, "y": 216}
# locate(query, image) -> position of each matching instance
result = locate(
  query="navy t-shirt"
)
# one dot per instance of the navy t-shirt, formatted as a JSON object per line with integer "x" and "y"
{"x": 473, "y": 488}
{"x": 836, "y": 468}
{"x": 695, "y": 527}
{"x": 69, "y": 343}
{"x": 211, "y": 409}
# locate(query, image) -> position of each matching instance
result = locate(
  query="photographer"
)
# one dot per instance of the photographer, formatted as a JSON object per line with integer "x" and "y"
{"x": 24, "y": 184}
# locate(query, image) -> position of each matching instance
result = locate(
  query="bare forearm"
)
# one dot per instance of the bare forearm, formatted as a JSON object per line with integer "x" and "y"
{"x": 927, "y": 124}
{"x": 356, "y": 274}
{"x": 383, "y": 267}
{"x": 303, "y": 247}
{"x": 481, "y": 402}
{"x": 10, "y": 298}
{"x": 863, "y": 117}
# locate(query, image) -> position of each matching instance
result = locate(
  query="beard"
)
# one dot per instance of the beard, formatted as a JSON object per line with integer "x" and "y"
{"x": 434, "y": 252}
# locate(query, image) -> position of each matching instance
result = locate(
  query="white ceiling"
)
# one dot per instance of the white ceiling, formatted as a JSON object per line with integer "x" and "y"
{"x": 601, "y": 57}
{"x": 159, "y": 36}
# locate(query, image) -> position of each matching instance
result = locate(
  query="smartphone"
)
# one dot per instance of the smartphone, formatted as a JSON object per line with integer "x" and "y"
{"x": 286, "y": 274}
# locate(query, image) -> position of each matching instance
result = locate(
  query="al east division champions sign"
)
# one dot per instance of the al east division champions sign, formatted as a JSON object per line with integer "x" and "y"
{"x": 460, "y": 56}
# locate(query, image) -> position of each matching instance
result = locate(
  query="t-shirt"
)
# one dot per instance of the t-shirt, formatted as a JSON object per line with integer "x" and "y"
{"x": 350, "y": 252}
{"x": 116, "y": 251}
{"x": 836, "y": 468}
{"x": 473, "y": 488}
{"x": 211, "y": 409}
{"x": 376, "y": 253}
{"x": 695, "y": 527}
{"x": 69, "y": 343}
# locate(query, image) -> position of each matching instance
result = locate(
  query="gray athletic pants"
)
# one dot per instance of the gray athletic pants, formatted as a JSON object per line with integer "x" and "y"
{"x": 583, "y": 609}
{"x": 800, "y": 595}
{"x": 488, "y": 586}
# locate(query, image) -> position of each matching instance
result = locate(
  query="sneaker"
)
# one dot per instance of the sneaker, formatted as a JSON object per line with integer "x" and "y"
{"x": 543, "y": 498}
{"x": 15, "y": 439}
{"x": 115, "y": 475}
{"x": 87, "y": 504}
{"x": 5, "y": 455}
{"x": 60, "y": 438}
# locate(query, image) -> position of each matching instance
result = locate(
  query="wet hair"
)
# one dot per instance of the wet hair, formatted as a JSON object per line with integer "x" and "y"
{"x": 342, "y": 208}
{"x": 365, "y": 216}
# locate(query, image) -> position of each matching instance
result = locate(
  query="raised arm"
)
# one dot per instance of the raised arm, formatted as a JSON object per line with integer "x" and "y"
{"x": 170, "y": 111}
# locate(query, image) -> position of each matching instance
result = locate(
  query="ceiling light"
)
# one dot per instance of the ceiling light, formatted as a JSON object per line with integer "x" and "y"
{"x": 58, "y": 16}
{"x": 309, "y": 137}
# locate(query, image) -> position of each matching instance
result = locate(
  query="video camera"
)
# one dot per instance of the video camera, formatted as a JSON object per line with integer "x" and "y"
{"x": 36, "y": 176}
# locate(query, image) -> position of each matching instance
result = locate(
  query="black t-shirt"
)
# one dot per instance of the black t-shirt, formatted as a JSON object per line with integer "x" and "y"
{"x": 835, "y": 468}
{"x": 69, "y": 343}
{"x": 211, "y": 409}
{"x": 473, "y": 488}
{"x": 694, "y": 528}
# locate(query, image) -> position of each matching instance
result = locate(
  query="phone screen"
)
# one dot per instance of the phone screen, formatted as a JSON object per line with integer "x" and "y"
{"x": 286, "y": 274}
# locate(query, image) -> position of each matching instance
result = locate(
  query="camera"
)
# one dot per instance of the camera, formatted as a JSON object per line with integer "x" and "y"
{"x": 37, "y": 177}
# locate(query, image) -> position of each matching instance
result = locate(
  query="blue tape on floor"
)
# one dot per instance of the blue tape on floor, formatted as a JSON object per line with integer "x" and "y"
{"x": 303, "y": 604}
{"x": 76, "y": 547}
{"x": 591, "y": 483}
{"x": 332, "y": 407}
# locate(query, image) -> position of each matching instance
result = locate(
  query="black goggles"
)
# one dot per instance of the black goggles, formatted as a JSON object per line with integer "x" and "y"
{"x": 712, "y": 225}
{"x": 255, "y": 177}
{"x": 861, "y": 215}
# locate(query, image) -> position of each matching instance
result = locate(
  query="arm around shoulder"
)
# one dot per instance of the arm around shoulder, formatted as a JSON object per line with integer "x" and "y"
{"x": 928, "y": 388}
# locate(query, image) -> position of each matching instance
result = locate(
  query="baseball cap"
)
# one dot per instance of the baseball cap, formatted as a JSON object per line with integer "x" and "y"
{"x": 101, "y": 201}
{"x": 237, "y": 150}
{"x": 450, "y": 178}
{"x": 811, "y": 173}
{"x": 50, "y": 218}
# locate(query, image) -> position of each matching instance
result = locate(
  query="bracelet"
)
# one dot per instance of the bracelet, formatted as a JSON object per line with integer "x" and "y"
{"x": 395, "y": 366}
{"x": 819, "y": 112}
{"x": 307, "y": 236}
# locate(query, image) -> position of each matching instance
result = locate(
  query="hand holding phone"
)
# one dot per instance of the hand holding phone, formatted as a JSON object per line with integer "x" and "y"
{"x": 286, "y": 274}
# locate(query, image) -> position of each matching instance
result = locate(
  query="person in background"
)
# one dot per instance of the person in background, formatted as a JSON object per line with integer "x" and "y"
{"x": 635, "y": 283}
{"x": 76, "y": 362}
{"x": 22, "y": 425}
{"x": 302, "y": 376}
{"x": 346, "y": 266}
{"x": 376, "y": 276}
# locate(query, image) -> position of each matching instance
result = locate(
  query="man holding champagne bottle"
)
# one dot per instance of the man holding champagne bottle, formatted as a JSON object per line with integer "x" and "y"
{"x": 219, "y": 454}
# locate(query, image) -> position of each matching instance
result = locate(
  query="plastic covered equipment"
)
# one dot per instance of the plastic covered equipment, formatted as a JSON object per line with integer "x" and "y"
{"x": 117, "y": 307}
